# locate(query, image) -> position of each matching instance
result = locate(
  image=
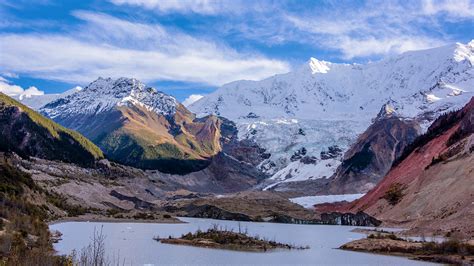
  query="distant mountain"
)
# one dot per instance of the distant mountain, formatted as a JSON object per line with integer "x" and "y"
{"x": 37, "y": 101}
{"x": 139, "y": 126}
{"x": 322, "y": 105}
{"x": 432, "y": 184}
{"x": 28, "y": 133}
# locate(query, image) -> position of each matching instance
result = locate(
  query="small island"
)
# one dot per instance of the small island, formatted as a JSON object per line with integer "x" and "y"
{"x": 220, "y": 238}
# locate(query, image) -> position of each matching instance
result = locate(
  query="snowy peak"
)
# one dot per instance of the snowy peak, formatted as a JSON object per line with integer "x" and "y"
{"x": 334, "y": 103}
{"x": 106, "y": 93}
{"x": 464, "y": 52}
{"x": 386, "y": 111}
{"x": 318, "y": 66}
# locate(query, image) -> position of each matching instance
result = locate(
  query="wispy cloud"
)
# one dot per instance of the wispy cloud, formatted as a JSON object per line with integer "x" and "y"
{"x": 453, "y": 8}
{"x": 364, "y": 30}
{"x": 109, "y": 46}
{"x": 378, "y": 32}
{"x": 205, "y": 7}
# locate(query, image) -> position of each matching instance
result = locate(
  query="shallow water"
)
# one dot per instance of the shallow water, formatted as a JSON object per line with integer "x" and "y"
{"x": 133, "y": 243}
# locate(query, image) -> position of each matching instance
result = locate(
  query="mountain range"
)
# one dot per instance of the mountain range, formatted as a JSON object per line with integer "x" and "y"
{"x": 322, "y": 105}
{"x": 399, "y": 130}
{"x": 324, "y": 128}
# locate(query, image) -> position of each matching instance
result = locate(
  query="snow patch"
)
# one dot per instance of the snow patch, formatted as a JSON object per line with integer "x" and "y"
{"x": 318, "y": 66}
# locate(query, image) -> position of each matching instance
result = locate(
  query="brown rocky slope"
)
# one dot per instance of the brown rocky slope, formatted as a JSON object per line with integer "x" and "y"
{"x": 431, "y": 188}
{"x": 371, "y": 157}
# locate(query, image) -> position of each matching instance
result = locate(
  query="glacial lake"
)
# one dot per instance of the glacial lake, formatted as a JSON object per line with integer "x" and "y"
{"x": 134, "y": 244}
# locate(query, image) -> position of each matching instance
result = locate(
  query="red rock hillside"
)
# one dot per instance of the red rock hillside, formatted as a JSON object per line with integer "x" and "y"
{"x": 431, "y": 187}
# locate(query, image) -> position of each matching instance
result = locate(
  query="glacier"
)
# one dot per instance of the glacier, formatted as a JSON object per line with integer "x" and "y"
{"x": 321, "y": 104}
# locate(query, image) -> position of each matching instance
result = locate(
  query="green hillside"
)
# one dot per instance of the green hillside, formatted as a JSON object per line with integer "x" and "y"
{"x": 28, "y": 133}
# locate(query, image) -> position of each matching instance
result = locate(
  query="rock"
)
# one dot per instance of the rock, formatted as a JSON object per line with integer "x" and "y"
{"x": 333, "y": 152}
{"x": 213, "y": 212}
{"x": 357, "y": 219}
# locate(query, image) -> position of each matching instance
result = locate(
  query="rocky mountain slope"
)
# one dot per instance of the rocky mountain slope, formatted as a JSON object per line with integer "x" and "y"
{"x": 372, "y": 155}
{"x": 27, "y": 133}
{"x": 139, "y": 126}
{"x": 431, "y": 186}
{"x": 324, "y": 104}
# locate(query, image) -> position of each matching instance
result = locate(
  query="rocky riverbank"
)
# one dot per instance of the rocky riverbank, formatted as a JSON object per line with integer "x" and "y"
{"x": 449, "y": 252}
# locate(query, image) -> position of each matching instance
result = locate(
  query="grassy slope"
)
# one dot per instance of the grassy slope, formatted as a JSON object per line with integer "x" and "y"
{"x": 149, "y": 141}
{"x": 55, "y": 130}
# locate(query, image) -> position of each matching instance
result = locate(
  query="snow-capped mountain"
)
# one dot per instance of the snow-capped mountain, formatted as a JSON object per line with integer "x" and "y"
{"x": 322, "y": 104}
{"x": 139, "y": 126}
{"x": 105, "y": 94}
{"x": 37, "y": 101}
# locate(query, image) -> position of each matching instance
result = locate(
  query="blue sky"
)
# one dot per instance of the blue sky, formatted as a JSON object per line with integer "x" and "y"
{"x": 194, "y": 46}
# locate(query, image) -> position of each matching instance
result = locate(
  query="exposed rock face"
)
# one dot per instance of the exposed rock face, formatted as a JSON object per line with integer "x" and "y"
{"x": 371, "y": 157}
{"x": 213, "y": 212}
{"x": 435, "y": 180}
{"x": 334, "y": 218}
{"x": 224, "y": 174}
{"x": 27, "y": 133}
{"x": 243, "y": 150}
{"x": 357, "y": 219}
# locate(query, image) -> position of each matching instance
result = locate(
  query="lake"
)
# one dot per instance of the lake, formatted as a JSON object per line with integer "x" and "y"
{"x": 134, "y": 244}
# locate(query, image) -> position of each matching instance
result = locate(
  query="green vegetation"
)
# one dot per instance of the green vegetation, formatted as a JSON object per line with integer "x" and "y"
{"x": 394, "y": 194}
{"x": 135, "y": 151}
{"x": 46, "y": 138}
{"x": 25, "y": 239}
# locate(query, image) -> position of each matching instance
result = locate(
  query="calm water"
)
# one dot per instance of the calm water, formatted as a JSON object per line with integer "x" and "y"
{"x": 134, "y": 243}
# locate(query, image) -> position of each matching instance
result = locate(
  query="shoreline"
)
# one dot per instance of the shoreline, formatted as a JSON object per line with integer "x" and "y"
{"x": 104, "y": 219}
{"x": 390, "y": 245}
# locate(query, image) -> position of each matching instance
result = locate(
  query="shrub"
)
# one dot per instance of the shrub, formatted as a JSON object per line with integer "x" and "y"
{"x": 451, "y": 246}
{"x": 394, "y": 194}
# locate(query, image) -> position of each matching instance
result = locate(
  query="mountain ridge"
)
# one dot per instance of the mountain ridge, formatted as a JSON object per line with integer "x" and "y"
{"x": 138, "y": 125}
{"x": 27, "y": 133}
{"x": 332, "y": 107}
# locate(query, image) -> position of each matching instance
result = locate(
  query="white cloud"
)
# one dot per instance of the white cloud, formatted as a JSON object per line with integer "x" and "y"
{"x": 354, "y": 47}
{"x": 454, "y": 8}
{"x": 15, "y": 90}
{"x": 181, "y": 6}
{"x": 192, "y": 99}
{"x": 108, "y": 46}
{"x": 371, "y": 30}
